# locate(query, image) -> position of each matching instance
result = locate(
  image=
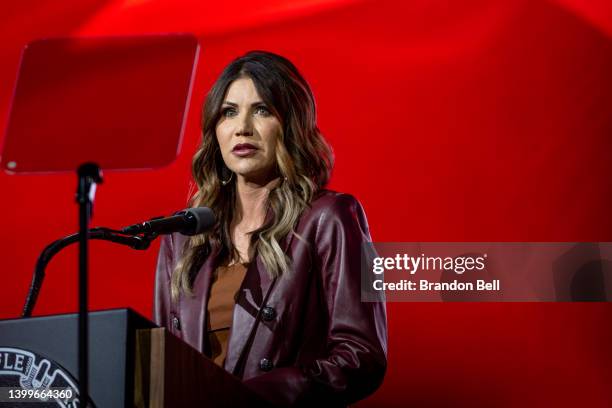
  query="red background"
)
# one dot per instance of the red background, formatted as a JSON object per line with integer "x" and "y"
{"x": 451, "y": 121}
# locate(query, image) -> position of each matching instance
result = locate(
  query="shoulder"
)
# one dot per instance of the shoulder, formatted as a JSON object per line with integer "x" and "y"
{"x": 172, "y": 245}
{"x": 330, "y": 203}
{"x": 333, "y": 201}
{"x": 334, "y": 207}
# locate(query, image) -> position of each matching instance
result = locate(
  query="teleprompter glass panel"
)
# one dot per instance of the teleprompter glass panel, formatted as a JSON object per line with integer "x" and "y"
{"x": 120, "y": 102}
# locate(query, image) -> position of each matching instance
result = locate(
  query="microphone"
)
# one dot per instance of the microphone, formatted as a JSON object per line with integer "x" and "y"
{"x": 191, "y": 221}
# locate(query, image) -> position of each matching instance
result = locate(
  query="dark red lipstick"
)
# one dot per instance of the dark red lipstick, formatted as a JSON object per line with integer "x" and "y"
{"x": 244, "y": 149}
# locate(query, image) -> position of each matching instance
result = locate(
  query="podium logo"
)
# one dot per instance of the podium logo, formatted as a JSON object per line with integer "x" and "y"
{"x": 25, "y": 370}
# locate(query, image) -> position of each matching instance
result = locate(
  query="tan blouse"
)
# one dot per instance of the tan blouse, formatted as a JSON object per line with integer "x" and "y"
{"x": 225, "y": 286}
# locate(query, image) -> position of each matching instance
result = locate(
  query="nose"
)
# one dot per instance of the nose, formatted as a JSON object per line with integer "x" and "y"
{"x": 244, "y": 126}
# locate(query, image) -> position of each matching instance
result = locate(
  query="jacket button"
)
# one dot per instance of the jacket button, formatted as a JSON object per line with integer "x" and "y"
{"x": 266, "y": 364}
{"x": 176, "y": 323}
{"x": 268, "y": 313}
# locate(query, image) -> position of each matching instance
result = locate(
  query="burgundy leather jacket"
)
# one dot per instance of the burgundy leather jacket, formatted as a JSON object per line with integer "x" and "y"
{"x": 304, "y": 338}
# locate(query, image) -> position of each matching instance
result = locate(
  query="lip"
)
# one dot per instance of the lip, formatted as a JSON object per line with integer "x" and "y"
{"x": 244, "y": 149}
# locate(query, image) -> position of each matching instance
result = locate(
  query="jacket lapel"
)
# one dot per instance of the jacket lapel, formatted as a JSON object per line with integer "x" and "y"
{"x": 253, "y": 291}
{"x": 194, "y": 307}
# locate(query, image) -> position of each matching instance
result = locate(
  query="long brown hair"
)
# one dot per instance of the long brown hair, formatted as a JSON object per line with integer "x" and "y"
{"x": 303, "y": 157}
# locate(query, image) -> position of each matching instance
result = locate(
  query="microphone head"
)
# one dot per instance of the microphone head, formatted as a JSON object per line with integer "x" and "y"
{"x": 199, "y": 219}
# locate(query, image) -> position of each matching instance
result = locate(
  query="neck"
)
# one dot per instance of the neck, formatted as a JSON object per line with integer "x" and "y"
{"x": 251, "y": 198}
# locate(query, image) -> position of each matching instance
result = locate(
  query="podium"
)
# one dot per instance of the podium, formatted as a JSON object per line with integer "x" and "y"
{"x": 132, "y": 363}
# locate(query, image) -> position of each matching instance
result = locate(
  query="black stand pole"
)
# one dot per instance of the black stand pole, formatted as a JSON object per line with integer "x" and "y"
{"x": 89, "y": 176}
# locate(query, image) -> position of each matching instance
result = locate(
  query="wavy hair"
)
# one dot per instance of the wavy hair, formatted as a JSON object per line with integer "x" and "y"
{"x": 304, "y": 162}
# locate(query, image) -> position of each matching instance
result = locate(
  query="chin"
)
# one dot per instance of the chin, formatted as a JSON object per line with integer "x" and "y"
{"x": 246, "y": 170}
{"x": 260, "y": 174}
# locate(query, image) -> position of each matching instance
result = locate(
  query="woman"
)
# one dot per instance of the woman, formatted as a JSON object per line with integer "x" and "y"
{"x": 272, "y": 292}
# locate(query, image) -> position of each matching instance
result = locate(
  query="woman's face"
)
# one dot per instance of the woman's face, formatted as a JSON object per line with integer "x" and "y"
{"x": 247, "y": 133}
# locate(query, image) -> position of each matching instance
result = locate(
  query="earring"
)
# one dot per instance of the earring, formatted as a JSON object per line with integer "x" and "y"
{"x": 225, "y": 174}
{"x": 226, "y": 182}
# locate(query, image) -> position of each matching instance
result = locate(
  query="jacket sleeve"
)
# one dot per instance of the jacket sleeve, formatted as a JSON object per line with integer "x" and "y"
{"x": 161, "y": 299}
{"x": 357, "y": 334}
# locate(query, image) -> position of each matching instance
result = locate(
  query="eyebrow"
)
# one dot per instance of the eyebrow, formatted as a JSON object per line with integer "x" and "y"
{"x": 236, "y": 105}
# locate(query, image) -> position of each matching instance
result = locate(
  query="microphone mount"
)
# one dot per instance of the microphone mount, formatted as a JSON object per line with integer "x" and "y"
{"x": 139, "y": 242}
{"x": 190, "y": 221}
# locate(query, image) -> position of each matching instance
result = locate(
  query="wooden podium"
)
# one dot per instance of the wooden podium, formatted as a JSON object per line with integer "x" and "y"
{"x": 132, "y": 363}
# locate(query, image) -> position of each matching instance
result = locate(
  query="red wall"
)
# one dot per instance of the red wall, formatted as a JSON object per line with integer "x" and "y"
{"x": 451, "y": 121}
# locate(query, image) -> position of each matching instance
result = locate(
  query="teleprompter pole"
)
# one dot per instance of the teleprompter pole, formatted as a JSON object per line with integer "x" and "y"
{"x": 89, "y": 175}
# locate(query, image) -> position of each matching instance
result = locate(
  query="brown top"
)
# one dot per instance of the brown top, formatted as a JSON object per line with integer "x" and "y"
{"x": 226, "y": 283}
